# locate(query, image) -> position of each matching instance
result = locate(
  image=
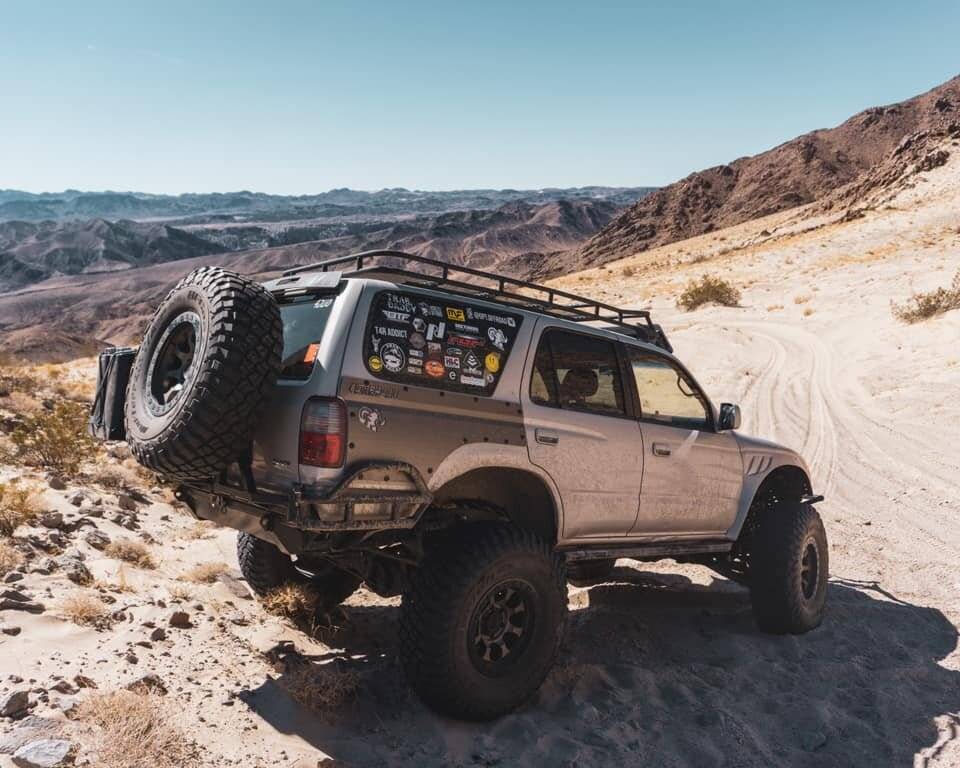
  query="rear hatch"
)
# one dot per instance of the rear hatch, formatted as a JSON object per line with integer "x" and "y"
{"x": 317, "y": 311}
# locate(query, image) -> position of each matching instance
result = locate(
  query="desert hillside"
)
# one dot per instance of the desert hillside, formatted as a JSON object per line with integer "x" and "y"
{"x": 119, "y": 612}
{"x": 795, "y": 173}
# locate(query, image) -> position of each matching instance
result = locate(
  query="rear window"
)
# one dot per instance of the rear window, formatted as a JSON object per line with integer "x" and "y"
{"x": 442, "y": 344}
{"x": 303, "y": 324}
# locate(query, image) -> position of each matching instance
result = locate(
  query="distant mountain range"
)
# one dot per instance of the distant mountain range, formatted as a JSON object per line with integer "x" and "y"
{"x": 797, "y": 172}
{"x": 244, "y": 206}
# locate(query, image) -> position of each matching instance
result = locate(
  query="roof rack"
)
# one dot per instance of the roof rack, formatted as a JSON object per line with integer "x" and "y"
{"x": 505, "y": 290}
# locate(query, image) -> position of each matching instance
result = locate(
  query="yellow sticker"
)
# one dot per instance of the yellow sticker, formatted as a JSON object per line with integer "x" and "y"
{"x": 375, "y": 363}
{"x": 455, "y": 314}
{"x": 492, "y": 361}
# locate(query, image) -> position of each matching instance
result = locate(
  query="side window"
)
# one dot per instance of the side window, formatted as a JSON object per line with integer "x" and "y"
{"x": 577, "y": 372}
{"x": 666, "y": 394}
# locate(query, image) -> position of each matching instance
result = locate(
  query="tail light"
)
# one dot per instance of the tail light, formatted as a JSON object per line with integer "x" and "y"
{"x": 323, "y": 432}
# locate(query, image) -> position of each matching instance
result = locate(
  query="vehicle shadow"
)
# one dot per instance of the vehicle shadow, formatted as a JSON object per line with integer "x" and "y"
{"x": 659, "y": 671}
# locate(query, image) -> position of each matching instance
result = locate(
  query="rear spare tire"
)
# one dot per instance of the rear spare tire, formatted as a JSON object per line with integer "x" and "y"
{"x": 202, "y": 375}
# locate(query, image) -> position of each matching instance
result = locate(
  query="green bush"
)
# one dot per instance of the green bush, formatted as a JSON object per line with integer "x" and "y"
{"x": 921, "y": 306}
{"x": 708, "y": 289}
{"x": 55, "y": 438}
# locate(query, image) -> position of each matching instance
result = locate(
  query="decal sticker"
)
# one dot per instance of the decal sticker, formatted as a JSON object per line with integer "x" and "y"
{"x": 434, "y": 368}
{"x": 452, "y": 375}
{"x": 435, "y": 331}
{"x": 489, "y": 378}
{"x": 455, "y": 351}
{"x": 472, "y": 381}
{"x": 400, "y": 303}
{"x": 455, "y": 314}
{"x": 434, "y": 348}
{"x": 490, "y": 318}
{"x": 465, "y": 341}
{"x": 464, "y": 328}
{"x": 492, "y": 362}
{"x": 451, "y": 362}
{"x": 417, "y": 341}
{"x": 419, "y": 324}
{"x": 323, "y": 303}
{"x": 396, "y": 317}
{"x": 471, "y": 360}
{"x": 429, "y": 310}
{"x": 371, "y": 418}
{"x": 497, "y": 337}
{"x": 375, "y": 344}
{"x": 416, "y": 370}
{"x": 390, "y": 333}
{"x": 375, "y": 363}
{"x": 415, "y": 353}
{"x": 393, "y": 358}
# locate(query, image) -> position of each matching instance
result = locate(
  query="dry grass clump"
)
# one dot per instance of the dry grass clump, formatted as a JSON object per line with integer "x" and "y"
{"x": 86, "y": 609}
{"x": 293, "y": 601}
{"x": 136, "y": 731}
{"x": 18, "y": 506}
{"x": 802, "y": 298}
{"x": 202, "y": 529}
{"x": 322, "y": 688}
{"x": 921, "y": 306}
{"x": 180, "y": 593}
{"x": 628, "y": 271}
{"x": 10, "y": 558}
{"x": 205, "y": 573}
{"x": 55, "y": 438}
{"x": 131, "y": 551}
{"x": 708, "y": 290}
{"x": 807, "y": 311}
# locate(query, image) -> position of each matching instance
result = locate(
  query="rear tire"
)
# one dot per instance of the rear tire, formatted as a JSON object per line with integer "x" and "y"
{"x": 266, "y": 569}
{"x": 207, "y": 364}
{"x": 482, "y": 620}
{"x": 789, "y": 569}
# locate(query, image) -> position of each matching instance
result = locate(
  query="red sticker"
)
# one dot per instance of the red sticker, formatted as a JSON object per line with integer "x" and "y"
{"x": 434, "y": 368}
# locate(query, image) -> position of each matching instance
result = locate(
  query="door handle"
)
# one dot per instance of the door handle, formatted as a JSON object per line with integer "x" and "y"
{"x": 661, "y": 449}
{"x": 545, "y": 437}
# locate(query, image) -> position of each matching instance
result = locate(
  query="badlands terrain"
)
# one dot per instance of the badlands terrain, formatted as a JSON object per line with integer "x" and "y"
{"x": 662, "y": 665}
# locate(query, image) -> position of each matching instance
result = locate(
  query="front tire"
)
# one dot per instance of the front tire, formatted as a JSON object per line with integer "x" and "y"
{"x": 482, "y": 620}
{"x": 265, "y": 568}
{"x": 789, "y": 569}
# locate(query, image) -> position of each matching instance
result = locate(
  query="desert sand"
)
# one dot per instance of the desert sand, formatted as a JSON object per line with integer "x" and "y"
{"x": 662, "y": 665}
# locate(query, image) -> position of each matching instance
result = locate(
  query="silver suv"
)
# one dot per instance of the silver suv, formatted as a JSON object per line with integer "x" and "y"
{"x": 468, "y": 441}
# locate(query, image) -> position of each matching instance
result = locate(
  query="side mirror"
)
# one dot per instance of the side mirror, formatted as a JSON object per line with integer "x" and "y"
{"x": 729, "y": 416}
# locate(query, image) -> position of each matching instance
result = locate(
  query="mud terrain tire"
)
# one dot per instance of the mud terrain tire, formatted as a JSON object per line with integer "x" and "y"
{"x": 266, "y": 568}
{"x": 202, "y": 375}
{"x": 482, "y": 620}
{"x": 789, "y": 569}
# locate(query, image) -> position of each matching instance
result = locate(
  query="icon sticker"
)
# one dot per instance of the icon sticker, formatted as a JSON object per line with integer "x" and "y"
{"x": 371, "y": 418}
{"x": 455, "y": 314}
{"x": 393, "y": 358}
{"x": 375, "y": 363}
{"x": 492, "y": 362}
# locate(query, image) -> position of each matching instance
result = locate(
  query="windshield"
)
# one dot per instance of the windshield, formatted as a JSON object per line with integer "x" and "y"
{"x": 303, "y": 324}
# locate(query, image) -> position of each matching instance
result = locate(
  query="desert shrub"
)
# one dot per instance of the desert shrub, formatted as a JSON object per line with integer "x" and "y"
{"x": 628, "y": 272}
{"x": 18, "y": 506}
{"x": 321, "y": 687}
{"x": 205, "y": 573}
{"x": 131, "y": 551}
{"x": 10, "y": 558}
{"x": 136, "y": 730}
{"x": 921, "y": 306}
{"x": 86, "y": 610}
{"x": 293, "y": 601}
{"x": 56, "y": 438}
{"x": 708, "y": 289}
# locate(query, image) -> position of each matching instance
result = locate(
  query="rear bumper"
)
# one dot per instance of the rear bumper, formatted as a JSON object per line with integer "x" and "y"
{"x": 376, "y": 496}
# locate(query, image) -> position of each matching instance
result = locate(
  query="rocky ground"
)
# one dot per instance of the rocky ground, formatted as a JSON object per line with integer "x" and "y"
{"x": 128, "y": 638}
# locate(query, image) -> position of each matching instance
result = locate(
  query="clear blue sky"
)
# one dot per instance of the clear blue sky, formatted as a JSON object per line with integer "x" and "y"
{"x": 297, "y": 97}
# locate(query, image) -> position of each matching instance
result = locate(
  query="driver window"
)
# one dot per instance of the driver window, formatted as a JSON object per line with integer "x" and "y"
{"x": 666, "y": 395}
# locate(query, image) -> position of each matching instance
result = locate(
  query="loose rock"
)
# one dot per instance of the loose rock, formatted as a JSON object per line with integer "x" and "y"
{"x": 125, "y": 501}
{"x": 51, "y": 519}
{"x": 180, "y": 620}
{"x": 15, "y": 703}
{"x": 150, "y": 683}
{"x": 45, "y": 753}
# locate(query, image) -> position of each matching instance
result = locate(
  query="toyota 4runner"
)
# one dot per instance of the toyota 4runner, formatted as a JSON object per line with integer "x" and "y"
{"x": 468, "y": 441}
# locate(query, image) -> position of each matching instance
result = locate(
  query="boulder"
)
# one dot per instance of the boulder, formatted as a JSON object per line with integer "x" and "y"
{"x": 45, "y": 753}
{"x": 14, "y": 704}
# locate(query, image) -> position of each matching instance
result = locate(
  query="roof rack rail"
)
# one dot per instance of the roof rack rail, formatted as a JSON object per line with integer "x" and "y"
{"x": 506, "y": 290}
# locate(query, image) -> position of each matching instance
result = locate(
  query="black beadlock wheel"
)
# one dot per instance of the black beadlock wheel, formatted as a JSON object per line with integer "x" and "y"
{"x": 481, "y": 621}
{"x": 265, "y": 568}
{"x": 207, "y": 364}
{"x": 789, "y": 569}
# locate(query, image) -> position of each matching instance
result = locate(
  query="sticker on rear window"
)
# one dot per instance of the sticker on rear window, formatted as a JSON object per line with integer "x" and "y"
{"x": 457, "y": 347}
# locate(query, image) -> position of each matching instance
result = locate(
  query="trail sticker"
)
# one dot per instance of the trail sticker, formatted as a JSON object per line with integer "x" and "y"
{"x": 393, "y": 358}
